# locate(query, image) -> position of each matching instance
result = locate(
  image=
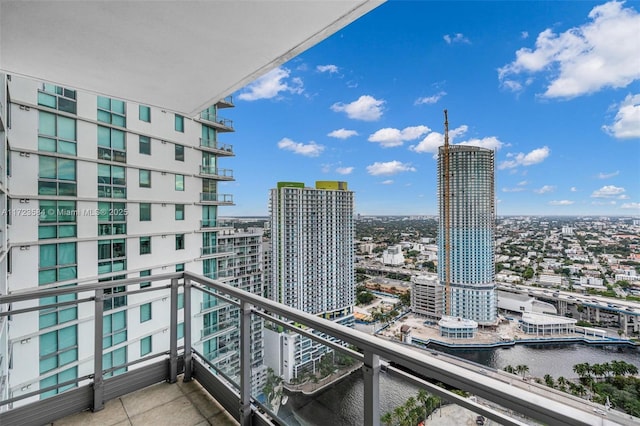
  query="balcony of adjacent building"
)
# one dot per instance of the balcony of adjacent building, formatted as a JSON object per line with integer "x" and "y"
{"x": 212, "y": 119}
{"x": 218, "y": 250}
{"x": 220, "y": 149}
{"x": 215, "y": 224}
{"x": 216, "y": 173}
{"x": 226, "y": 102}
{"x": 181, "y": 379}
{"x": 211, "y": 198}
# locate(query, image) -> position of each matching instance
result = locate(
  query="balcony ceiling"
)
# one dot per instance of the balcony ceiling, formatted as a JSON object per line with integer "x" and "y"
{"x": 180, "y": 55}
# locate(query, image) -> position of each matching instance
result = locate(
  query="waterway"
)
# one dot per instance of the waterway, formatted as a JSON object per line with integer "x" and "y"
{"x": 342, "y": 404}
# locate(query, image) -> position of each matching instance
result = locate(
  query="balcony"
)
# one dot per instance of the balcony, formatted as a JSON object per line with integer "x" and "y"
{"x": 216, "y": 199}
{"x": 221, "y": 124}
{"x": 94, "y": 388}
{"x": 215, "y": 224}
{"x": 215, "y": 251}
{"x": 221, "y": 149}
{"x": 226, "y": 102}
{"x": 216, "y": 173}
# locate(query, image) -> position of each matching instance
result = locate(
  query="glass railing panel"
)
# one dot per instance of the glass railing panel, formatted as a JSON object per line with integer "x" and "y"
{"x": 307, "y": 380}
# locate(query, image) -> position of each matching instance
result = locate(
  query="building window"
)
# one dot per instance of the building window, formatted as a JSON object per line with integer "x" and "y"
{"x": 57, "y": 176}
{"x": 112, "y": 256}
{"x": 114, "y": 332}
{"x": 145, "y": 346}
{"x": 179, "y": 211}
{"x": 112, "y": 218}
{"x": 145, "y": 145}
{"x": 58, "y": 262}
{"x": 112, "y": 181}
{"x": 112, "y": 111}
{"x": 146, "y": 273}
{"x": 180, "y": 242}
{"x": 111, "y": 145}
{"x": 179, "y": 182}
{"x": 144, "y": 178}
{"x": 144, "y": 113}
{"x": 180, "y": 300}
{"x": 179, "y": 123}
{"x": 180, "y": 267}
{"x": 179, "y": 153}
{"x": 56, "y": 133}
{"x": 145, "y": 245}
{"x": 180, "y": 330}
{"x": 57, "y": 219}
{"x": 145, "y": 312}
{"x": 57, "y": 349}
{"x": 145, "y": 212}
{"x": 57, "y": 97}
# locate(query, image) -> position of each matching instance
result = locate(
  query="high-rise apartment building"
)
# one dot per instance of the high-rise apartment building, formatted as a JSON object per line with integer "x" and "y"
{"x": 466, "y": 202}
{"x": 97, "y": 188}
{"x": 312, "y": 246}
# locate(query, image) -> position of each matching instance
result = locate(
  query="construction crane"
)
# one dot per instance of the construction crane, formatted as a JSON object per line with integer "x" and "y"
{"x": 446, "y": 195}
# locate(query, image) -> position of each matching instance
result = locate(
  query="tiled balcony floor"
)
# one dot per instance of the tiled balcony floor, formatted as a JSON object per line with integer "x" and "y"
{"x": 184, "y": 404}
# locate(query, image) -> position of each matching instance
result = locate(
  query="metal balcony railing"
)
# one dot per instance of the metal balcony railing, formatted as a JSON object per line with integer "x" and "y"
{"x": 216, "y": 250}
{"x": 214, "y": 223}
{"x": 226, "y": 102}
{"x": 93, "y": 386}
{"x": 218, "y": 199}
{"x": 216, "y": 173}
{"x": 222, "y": 124}
{"x": 222, "y": 149}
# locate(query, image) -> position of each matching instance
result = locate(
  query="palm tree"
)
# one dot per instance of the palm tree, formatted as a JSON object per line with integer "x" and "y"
{"x": 409, "y": 406}
{"x": 561, "y": 383}
{"x": 522, "y": 369}
{"x": 399, "y": 414}
{"x": 548, "y": 379}
{"x": 387, "y": 418}
{"x": 423, "y": 398}
{"x": 509, "y": 369}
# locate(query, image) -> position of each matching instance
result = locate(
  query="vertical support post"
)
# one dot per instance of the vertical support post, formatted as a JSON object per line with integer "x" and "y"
{"x": 371, "y": 374}
{"x": 187, "y": 330}
{"x": 245, "y": 364}
{"x": 173, "y": 332}
{"x": 98, "y": 382}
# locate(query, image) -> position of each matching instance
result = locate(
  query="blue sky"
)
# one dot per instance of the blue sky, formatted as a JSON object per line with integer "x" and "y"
{"x": 552, "y": 86}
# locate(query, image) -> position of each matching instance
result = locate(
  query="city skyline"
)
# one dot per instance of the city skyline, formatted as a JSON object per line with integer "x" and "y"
{"x": 365, "y": 105}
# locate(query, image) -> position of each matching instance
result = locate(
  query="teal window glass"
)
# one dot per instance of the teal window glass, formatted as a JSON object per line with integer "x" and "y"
{"x": 145, "y": 245}
{"x": 144, "y": 113}
{"x": 146, "y": 273}
{"x": 112, "y": 360}
{"x": 111, "y": 144}
{"x": 145, "y": 312}
{"x": 180, "y": 242}
{"x": 180, "y": 330}
{"x": 145, "y": 212}
{"x": 144, "y": 178}
{"x": 58, "y": 98}
{"x": 180, "y": 267}
{"x": 145, "y": 346}
{"x": 112, "y": 181}
{"x": 179, "y": 212}
{"x": 145, "y": 145}
{"x": 179, "y": 183}
{"x": 57, "y": 262}
{"x": 57, "y": 219}
{"x": 57, "y": 176}
{"x": 112, "y": 218}
{"x": 112, "y": 111}
{"x": 179, "y": 153}
{"x": 179, "y": 123}
{"x": 180, "y": 300}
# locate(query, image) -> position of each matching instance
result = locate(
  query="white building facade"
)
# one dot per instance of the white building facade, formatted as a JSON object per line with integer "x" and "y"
{"x": 100, "y": 189}
{"x": 312, "y": 246}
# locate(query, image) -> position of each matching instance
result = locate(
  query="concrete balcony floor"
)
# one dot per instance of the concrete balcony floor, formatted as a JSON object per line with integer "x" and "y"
{"x": 185, "y": 404}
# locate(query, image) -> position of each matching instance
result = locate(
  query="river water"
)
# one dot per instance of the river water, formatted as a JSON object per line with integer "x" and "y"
{"x": 342, "y": 404}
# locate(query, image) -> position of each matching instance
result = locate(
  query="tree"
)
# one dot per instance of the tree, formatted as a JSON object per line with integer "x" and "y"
{"x": 423, "y": 398}
{"x": 562, "y": 382}
{"x": 364, "y": 297}
{"x": 387, "y": 418}
{"x": 522, "y": 369}
{"x": 509, "y": 369}
{"x": 399, "y": 414}
{"x": 548, "y": 380}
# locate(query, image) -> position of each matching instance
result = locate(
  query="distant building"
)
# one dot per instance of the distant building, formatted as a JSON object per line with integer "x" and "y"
{"x": 466, "y": 203}
{"x": 550, "y": 280}
{"x": 393, "y": 256}
{"x": 312, "y": 235}
{"x": 546, "y": 325}
{"x": 515, "y": 302}
{"x": 427, "y": 296}
{"x": 567, "y": 230}
{"x": 457, "y": 328}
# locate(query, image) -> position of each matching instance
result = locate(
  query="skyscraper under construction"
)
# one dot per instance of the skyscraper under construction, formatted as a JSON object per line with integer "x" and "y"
{"x": 466, "y": 204}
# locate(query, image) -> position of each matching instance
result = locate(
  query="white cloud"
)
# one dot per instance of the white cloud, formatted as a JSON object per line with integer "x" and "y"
{"x": 490, "y": 142}
{"x": 456, "y": 38}
{"x": 626, "y": 124}
{"x": 434, "y": 140}
{"x": 430, "y": 99}
{"x": 607, "y": 175}
{"x": 608, "y": 191}
{"x": 311, "y": 149}
{"x": 523, "y": 182}
{"x": 389, "y": 168}
{"x": 517, "y": 189}
{"x": 327, "y": 68}
{"x": 524, "y": 34}
{"x": 536, "y": 156}
{"x": 366, "y": 108}
{"x": 342, "y": 134}
{"x": 344, "y": 170}
{"x": 574, "y": 189}
{"x": 630, "y": 206}
{"x": 601, "y": 53}
{"x": 271, "y": 85}
{"x": 561, "y": 202}
{"x": 387, "y": 182}
{"x": 389, "y": 137}
{"x": 544, "y": 189}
